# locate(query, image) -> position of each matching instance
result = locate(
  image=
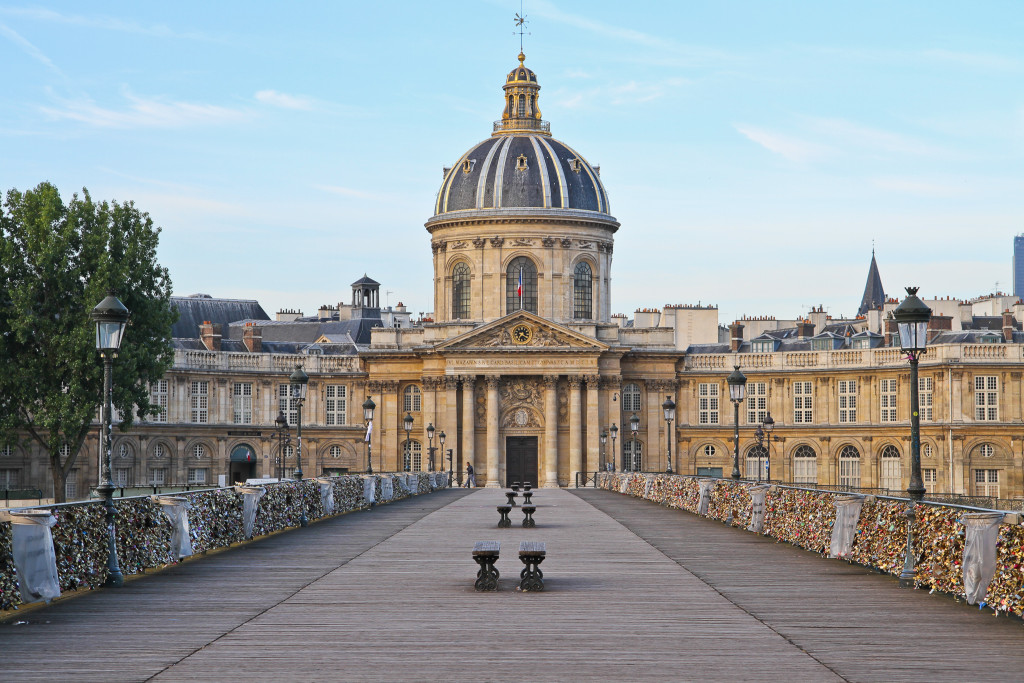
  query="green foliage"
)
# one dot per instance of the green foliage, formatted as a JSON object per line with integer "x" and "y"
{"x": 57, "y": 262}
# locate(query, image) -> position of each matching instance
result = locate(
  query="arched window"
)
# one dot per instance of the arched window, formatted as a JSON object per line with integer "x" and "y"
{"x": 460, "y": 291}
{"x": 849, "y": 467}
{"x": 335, "y": 451}
{"x": 521, "y": 285}
{"x": 805, "y": 465}
{"x": 412, "y": 399}
{"x": 522, "y": 105}
{"x": 632, "y": 456}
{"x": 6, "y": 451}
{"x": 582, "y": 292}
{"x": 631, "y": 398}
{"x": 709, "y": 451}
{"x": 891, "y": 476}
{"x": 757, "y": 456}
{"x": 124, "y": 451}
{"x": 198, "y": 451}
{"x": 412, "y": 456}
{"x": 986, "y": 450}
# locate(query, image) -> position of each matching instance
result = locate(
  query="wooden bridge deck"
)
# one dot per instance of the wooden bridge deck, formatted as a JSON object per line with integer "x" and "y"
{"x": 633, "y": 591}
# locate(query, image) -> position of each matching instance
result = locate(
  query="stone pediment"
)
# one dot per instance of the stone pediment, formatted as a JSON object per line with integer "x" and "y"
{"x": 522, "y": 331}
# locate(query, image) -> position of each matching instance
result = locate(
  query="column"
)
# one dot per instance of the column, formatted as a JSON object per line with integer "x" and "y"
{"x": 451, "y": 423}
{"x": 551, "y": 431}
{"x": 429, "y": 414}
{"x": 386, "y": 431}
{"x": 468, "y": 421}
{"x": 493, "y": 420}
{"x": 654, "y": 449}
{"x": 594, "y": 425}
{"x": 575, "y": 428}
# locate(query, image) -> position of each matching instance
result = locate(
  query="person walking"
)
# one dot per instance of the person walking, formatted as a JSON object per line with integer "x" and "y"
{"x": 470, "y": 476}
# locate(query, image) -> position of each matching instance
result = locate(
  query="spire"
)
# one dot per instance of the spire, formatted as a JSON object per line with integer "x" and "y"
{"x": 521, "y": 111}
{"x": 874, "y": 294}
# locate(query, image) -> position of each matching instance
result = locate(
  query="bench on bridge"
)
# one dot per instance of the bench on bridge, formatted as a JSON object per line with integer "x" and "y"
{"x": 527, "y": 497}
{"x": 485, "y": 554}
{"x": 504, "y": 522}
{"x": 532, "y": 553}
{"x": 511, "y": 495}
{"x": 528, "y": 511}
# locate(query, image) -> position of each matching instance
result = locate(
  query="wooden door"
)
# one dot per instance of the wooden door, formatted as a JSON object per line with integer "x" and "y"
{"x": 521, "y": 460}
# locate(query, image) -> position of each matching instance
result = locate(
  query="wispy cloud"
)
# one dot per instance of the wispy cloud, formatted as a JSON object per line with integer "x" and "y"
{"x": 144, "y": 113}
{"x": 30, "y": 49}
{"x": 105, "y": 23}
{"x": 630, "y": 92}
{"x": 786, "y": 146}
{"x": 284, "y": 101}
{"x": 352, "y": 192}
{"x": 864, "y": 137}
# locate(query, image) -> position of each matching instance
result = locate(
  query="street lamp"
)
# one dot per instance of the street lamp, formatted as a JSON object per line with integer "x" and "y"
{"x": 440, "y": 441}
{"x": 912, "y": 318}
{"x": 300, "y": 383}
{"x": 604, "y": 458}
{"x": 407, "y": 456}
{"x": 368, "y": 408}
{"x": 737, "y": 392}
{"x": 768, "y": 424}
{"x": 669, "y": 406}
{"x": 430, "y": 449}
{"x": 283, "y": 439}
{"x": 615, "y": 432}
{"x": 634, "y": 425}
{"x": 111, "y": 317}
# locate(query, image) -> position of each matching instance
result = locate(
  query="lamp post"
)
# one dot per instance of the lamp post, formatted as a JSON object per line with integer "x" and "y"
{"x": 604, "y": 458}
{"x": 283, "y": 439}
{"x": 300, "y": 383}
{"x": 430, "y": 449}
{"x": 759, "y": 439}
{"x": 737, "y": 392}
{"x": 368, "y": 408}
{"x": 440, "y": 442}
{"x": 669, "y": 406}
{"x": 111, "y": 317}
{"x": 451, "y": 468}
{"x": 912, "y": 318}
{"x": 615, "y": 432}
{"x": 407, "y": 455}
{"x": 768, "y": 424}
{"x": 634, "y": 426}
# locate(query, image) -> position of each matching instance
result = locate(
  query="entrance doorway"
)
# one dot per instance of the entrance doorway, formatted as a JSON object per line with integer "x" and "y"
{"x": 521, "y": 460}
{"x": 243, "y": 463}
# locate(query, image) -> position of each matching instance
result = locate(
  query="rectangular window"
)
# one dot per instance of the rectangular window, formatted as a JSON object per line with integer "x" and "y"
{"x": 888, "y": 400}
{"x": 986, "y": 397}
{"x": 986, "y": 483}
{"x": 197, "y": 475}
{"x": 71, "y": 485}
{"x": 158, "y": 397}
{"x": 200, "y": 400}
{"x": 122, "y": 477}
{"x": 924, "y": 397}
{"x": 757, "y": 402}
{"x": 337, "y": 397}
{"x": 707, "y": 404}
{"x": 805, "y": 470}
{"x": 849, "y": 472}
{"x": 931, "y": 477}
{"x": 847, "y": 400}
{"x": 242, "y": 399}
{"x": 891, "y": 474}
{"x": 158, "y": 476}
{"x": 287, "y": 403}
{"x": 803, "y": 403}
{"x": 9, "y": 478}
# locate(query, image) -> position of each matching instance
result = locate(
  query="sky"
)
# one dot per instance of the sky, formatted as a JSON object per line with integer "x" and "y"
{"x": 755, "y": 153}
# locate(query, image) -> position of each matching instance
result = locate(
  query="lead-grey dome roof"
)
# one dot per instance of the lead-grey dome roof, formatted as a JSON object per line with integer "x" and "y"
{"x": 519, "y": 171}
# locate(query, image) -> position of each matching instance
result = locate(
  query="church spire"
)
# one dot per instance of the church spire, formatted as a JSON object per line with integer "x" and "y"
{"x": 874, "y": 294}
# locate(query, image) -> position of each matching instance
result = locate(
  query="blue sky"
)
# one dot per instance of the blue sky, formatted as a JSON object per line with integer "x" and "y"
{"x": 752, "y": 151}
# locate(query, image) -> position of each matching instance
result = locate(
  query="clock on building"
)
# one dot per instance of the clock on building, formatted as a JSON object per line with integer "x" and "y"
{"x": 522, "y": 334}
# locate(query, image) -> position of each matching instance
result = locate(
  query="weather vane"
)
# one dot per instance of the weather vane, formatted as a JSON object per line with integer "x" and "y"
{"x": 521, "y": 23}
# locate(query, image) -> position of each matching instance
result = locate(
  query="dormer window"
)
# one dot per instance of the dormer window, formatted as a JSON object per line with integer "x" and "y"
{"x": 467, "y": 165}
{"x": 521, "y": 164}
{"x": 765, "y": 346}
{"x": 576, "y": 165}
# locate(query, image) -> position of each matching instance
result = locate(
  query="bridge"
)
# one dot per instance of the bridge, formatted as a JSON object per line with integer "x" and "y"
{"x": 634, "y": 591}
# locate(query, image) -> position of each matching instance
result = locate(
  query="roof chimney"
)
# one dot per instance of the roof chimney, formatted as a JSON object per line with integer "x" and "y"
{"x": 252, "y": 337}
{"x": 804, "y": 329}
{"x": 1008, "y": 326}
{"x": 736, "y": 336}
{"x": 890, "y": 330}
{"x": 209, "y": 334}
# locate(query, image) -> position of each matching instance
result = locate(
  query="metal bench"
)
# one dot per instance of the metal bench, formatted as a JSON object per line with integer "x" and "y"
{"x": 511, "y": 495}
{"x": 528, "y": 511}
{"x": 531, "y": 553}
{"x": 485, "y": 554}
{"x": 503, "y": 510}
{"x": 527, "y": 497}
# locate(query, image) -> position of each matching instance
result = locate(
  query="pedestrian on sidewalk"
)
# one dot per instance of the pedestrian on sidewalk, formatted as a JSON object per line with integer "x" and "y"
{"x": 470, "y": 476}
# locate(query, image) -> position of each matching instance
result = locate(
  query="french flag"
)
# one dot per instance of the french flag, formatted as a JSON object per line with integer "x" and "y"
{"x": 519, "y": 289}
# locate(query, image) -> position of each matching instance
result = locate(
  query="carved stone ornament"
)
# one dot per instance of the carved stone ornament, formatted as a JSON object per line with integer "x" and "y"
{"x": 566, "y": 242}
{"x": 520, "y": 418}
{"x": 548, "y": 241}
{"x": 438, "y": 246}
{"x": 522, "y": 401}
{"x": 499, "y": 337}
{"x": 586, "y": 245}
{"x": 459, "y": 244}
{"x": 479, "y": 242}
{"x": 522, "y": 242}
{"x": 497, "y": 241}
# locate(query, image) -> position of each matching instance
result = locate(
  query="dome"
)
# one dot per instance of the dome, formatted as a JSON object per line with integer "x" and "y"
{"x": 521, "y": 171}
{"x": 521, "y": 166}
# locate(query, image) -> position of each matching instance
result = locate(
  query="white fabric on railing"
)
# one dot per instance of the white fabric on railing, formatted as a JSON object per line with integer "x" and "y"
{"x": 34, "y": 558}
{"x": 326, "y": 495}
{"x": 250, "y": 499}
{"x": 370, "y": 490}
{"x": 648, "y": 485}
{"x": 980, "y": 553}
{"x": 845, "y": 527}
{"x": 624, "y": 487}
{"x": 412, "y": 484}
{"x": 175, "y": 509}
{"x": 387, "y": 488}
{"x": 705, "y": 495}
{"x": 757, "y": 495}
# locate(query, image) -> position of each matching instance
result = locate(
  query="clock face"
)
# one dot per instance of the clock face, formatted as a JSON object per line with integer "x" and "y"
{"x": 522, "y": 334}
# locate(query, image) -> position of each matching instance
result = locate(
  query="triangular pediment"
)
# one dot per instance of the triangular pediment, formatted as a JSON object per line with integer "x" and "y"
{"x": 522, "y": 331}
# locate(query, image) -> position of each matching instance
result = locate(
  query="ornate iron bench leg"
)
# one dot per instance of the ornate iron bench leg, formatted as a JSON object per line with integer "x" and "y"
{"x": 487, "y": 575}
{"x": 531, "y": 578}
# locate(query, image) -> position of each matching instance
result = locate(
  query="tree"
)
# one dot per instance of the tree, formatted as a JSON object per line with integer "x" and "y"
{"x": 57, "y": 262}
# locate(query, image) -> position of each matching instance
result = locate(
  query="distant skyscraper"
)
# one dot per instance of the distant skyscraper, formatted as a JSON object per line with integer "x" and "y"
{"x": 1018, "y": 265}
